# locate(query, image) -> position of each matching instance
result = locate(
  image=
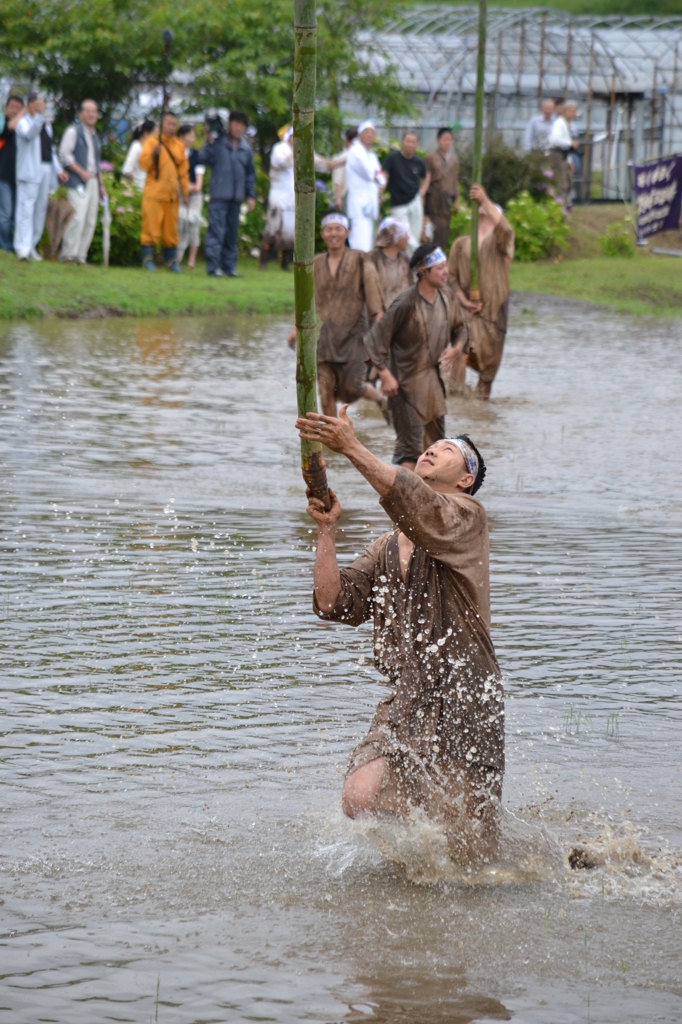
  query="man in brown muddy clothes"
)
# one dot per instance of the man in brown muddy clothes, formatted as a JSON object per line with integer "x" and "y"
{"x": 348, "y": 299}
{"x": 391, "y": 262}
{"x": 437, "y": 742}
{"x": 486, "y": 320}
{"x": 441, "y": 198}
{"x": 410, "y": 346}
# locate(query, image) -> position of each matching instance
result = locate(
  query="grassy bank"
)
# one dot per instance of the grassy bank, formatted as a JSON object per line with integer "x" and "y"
{"x": 643, "y": 284}
{"x": 52, "y": 289}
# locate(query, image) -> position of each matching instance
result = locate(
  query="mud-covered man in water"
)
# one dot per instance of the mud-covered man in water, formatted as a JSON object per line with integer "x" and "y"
{"x": 437, "y": 742}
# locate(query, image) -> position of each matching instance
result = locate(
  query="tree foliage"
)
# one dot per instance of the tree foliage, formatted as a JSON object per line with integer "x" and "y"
{"x": 231, "y": 53}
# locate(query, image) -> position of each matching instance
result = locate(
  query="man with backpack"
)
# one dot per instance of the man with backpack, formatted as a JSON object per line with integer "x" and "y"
{"x": 163, "y": 158}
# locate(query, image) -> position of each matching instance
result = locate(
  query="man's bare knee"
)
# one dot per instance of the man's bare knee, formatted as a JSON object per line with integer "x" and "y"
{"x": 361, "y": 788}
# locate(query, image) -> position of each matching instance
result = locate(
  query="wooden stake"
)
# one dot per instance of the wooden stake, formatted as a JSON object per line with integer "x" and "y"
{"x": 305, "y": 60}
{"x": 474, "y": 288}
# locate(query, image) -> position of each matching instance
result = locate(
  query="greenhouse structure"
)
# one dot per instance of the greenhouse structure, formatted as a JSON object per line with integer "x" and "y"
{"x": 625, "y": 73}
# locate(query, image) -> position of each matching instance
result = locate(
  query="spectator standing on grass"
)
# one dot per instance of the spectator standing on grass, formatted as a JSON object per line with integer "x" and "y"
{"x": 189, "y": 226}
{"x": 131, "y": 168}
{"x": 281, "y": 218}
{"x": 339, "y": 180}
{"x": 35, "y": 169}
{"x": 561, "y": 142}
{"x": 14, "y": 110}
{"x": 408, "y": 182}
{"x": 441, "y": 195}
{"x": 233, "y": 179}
{"x": 364, "y": 178}
{"x": 163, "y": 158}
{"x": 79, "y": 154}
{"x": 536, "y": 136}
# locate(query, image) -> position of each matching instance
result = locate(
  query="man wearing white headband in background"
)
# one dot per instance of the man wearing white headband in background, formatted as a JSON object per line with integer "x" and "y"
{"x": 486, "y": 320}
{"x": 437, "y": 742}
{"x": 389, "y": 258}
{"x": 364, "y": 178}
{"x": 416, "y": 341}
{"x": 346, "y": 294}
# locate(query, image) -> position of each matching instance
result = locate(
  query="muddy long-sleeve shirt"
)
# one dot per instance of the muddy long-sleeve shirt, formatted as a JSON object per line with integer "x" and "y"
{"x": 394, "y": 276}
{"x": 343, "y": 303}
{"x": 431, "y": 630}
{"x": 409, "y": 339}
{"x": 487, "y": 328}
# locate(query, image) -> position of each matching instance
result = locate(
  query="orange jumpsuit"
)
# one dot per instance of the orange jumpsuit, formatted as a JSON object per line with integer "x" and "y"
{"x": 160, "y": 196}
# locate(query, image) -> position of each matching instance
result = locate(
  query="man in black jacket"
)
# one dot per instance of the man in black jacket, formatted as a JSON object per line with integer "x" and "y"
{"x": 233, "y": 179}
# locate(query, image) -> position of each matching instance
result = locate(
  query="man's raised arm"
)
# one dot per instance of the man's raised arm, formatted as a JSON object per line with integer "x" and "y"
{"x": 338, "y": 434}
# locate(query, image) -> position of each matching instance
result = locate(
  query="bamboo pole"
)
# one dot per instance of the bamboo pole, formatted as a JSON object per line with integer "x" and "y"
{"x": 305, "y": 59}
{"x": 474, "y": 284}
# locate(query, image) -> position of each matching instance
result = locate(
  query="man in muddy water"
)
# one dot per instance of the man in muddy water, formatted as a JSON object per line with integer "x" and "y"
{"x": 347, "y": 299}
{"x": 418, "y": 338}
{"x": 486, "y": 320}
{"x": 437, "y": 742}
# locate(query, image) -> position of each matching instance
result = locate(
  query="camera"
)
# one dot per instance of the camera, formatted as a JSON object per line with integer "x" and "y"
{"x": 214, "y": 125}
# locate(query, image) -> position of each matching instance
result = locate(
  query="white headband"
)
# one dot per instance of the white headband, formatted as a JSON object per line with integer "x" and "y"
{"x": 470, "y": 458}
{"x": 335, "y": 218}
{"x": 397, "y": 229}
{"x": 364, "y": 125}
{"x": 434, "y": 259}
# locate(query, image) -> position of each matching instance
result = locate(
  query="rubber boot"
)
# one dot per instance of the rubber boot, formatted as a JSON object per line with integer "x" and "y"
{"x": 286, "y": 257}
{"x": 170, "y": 259}
{"x": 148, "y": 257}
{"x": 264, "y": 257}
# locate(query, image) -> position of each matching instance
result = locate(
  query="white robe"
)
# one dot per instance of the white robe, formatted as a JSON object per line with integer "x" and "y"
{"x": 281, "y": 197}
{"x": 362, "y": 202}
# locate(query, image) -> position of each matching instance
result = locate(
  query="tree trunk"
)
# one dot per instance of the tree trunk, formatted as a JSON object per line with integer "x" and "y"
{"x": 474, "y": 288}
{"x": 305, "y": 56}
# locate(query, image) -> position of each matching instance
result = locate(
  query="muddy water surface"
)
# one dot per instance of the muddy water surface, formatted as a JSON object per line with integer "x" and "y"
{"x": 175, "y": 724}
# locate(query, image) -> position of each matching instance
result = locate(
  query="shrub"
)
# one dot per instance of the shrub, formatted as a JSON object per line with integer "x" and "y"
{"x": 617, "y": 241}
{"x": 539, "y": 228}
{"x": 505, "y": 173}
{"x": 125, "y": 204}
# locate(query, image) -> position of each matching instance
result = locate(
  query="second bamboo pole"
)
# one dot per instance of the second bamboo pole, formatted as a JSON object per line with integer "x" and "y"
{"x": 474, "y": 284}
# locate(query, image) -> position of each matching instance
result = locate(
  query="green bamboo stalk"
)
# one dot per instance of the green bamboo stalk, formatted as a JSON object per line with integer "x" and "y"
{"x": 305, "y": 59}
{"x": 474, "y": 284}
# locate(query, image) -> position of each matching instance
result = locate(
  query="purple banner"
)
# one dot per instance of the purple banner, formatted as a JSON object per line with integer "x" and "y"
{"x": 658, "y": 191}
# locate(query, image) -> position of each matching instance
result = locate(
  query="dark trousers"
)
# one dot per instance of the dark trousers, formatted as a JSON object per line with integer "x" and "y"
{"x": 7, "y": 203}
{"x": 441, "y": 232}
{"x": 221, "y": 242}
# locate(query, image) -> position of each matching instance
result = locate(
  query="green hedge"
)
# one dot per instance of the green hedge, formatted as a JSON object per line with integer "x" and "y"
{"x": 539, "y": 227}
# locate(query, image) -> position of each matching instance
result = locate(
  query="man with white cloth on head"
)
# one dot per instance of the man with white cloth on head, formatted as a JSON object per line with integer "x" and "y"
{"x": 364, "y": 178}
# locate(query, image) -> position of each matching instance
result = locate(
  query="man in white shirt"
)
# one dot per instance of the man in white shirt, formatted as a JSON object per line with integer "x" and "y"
{"x": 536, "y": 136}
{"x": 34, "y": 168}
{"x": 364, "y": 178}
{"x": 561, "y": 142}
{"x": 80, "y": 154}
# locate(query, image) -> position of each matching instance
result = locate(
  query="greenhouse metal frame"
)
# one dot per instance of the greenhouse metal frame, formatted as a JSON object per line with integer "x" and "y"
{"x": 625, "y": 73}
